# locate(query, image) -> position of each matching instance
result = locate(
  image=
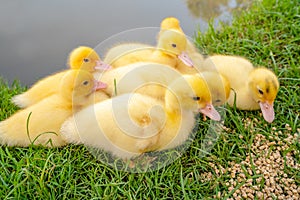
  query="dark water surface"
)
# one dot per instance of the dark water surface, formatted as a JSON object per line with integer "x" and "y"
{"x": 36, "y": 36}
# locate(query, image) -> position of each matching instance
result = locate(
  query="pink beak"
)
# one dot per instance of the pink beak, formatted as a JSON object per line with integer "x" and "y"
{"x": 99, "y": 85}
{"x": 267, "y": 111}
{"x": 210, "y": 112}
{"x": 186, "y": 59}
{"x": 100, "y": 65}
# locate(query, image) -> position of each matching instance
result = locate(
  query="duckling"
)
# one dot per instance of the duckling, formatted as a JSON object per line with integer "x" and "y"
{"x": 40, "y": 123}
{"x": 144, "y": 77}
{"x": 191, "y": 51}
{"x": 170, "y": 48}
{"x": 255, "y": 88}
{"x": 83, "y": 57}
{"x": 131, "y": 124}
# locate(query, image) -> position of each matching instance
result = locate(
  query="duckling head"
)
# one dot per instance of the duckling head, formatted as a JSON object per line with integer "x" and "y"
{"x": 86, "y": 58}
{"x": 77, "y": 85}
{"x": 264, "y": 86}
{"x": 171, "y": 23}
{"x": 219, "y": 86}
{"x": 173, "y": 41}
{"x": 191, "y": 93}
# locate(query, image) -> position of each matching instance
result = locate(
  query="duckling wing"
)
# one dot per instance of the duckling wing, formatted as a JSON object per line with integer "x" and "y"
{"x": 14, "y": 132}
{"x": 40, "y": 90}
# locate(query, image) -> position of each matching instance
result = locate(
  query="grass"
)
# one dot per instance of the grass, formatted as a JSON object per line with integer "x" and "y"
{"x": 268, "y": 35}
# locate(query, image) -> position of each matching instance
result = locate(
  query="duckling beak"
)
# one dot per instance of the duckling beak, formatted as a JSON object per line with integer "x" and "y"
{"x": 186, "y": 59}
{"x": 210, "y": 111}
{"x": 98, "y": 85}
{"x": 267, "y": 111}
{"x": 100, "y": 65}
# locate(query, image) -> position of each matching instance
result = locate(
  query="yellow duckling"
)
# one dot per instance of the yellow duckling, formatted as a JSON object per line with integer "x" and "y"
{"x": 255, "y": 88}
{"x": 84, "y": 58}
{"x": 170, "y": 50}
{"x": 144, "y": 77}
{"x": 191, "y": 51}
{"x": 46, "y": 117}
{"x": 131, "y": 124}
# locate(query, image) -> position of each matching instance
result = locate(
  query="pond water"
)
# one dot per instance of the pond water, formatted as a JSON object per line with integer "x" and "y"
{"x": 37, "y": 36}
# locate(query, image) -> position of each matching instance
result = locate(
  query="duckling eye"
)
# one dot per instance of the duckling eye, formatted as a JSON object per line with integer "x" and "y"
{"x": 86, "y": 60}
{"x": 218, "y": 101}
{"x": 85, "y": 82}
{"x": 196, "y": 98}
{"x": 260, "y": 91}
{"x": 174, "y": 45}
